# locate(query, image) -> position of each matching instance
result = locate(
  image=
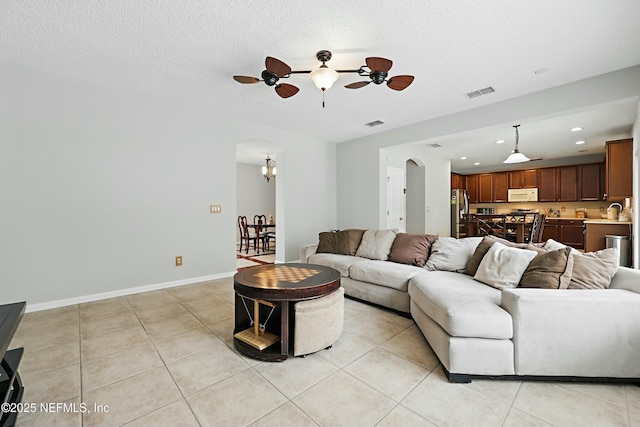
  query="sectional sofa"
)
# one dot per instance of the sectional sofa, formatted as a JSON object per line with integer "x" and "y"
{"x": 491, "y": 308}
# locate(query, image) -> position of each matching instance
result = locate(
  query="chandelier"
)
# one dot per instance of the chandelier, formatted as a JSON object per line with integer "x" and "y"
{"x": 269, "y": 170}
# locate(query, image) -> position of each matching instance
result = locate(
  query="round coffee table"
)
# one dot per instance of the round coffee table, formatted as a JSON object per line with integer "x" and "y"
{"x": 266, "y": 292}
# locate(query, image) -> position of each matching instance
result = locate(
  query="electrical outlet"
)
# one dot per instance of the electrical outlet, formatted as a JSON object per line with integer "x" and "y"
{"x": 562, "y": 209}
{"x": 179, "y": 261}
{"x": 601, "y": 209}
{"x": 215, "y": 209}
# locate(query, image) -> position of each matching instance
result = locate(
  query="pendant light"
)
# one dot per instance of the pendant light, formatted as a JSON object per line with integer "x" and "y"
{"x": 516, "y": 156}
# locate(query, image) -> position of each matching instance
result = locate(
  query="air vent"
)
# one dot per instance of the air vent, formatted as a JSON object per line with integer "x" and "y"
{"x": 480, "y": 92}
{"x": 375, "y": 123}
{"x": 435, "y": 145}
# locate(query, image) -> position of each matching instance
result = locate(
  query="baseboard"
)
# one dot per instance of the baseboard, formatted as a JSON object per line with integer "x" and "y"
{"x": 123, "y": 292}
{"x": 467, "y": 378}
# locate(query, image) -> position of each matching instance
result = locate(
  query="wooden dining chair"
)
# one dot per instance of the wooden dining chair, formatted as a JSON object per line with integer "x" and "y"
{"x": 491, "y": 225}
{"x": 246, "y": 234}
{"x": 259, "y": 222}
{"x": 535, "y": 235}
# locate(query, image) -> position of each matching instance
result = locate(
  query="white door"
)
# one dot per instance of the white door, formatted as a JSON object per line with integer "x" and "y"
{"x": 395, "y": 199}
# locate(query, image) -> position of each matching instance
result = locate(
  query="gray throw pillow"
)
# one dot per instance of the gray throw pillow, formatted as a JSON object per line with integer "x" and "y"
{"x": 451, "y": 254}
{"x": 412, "y": 249}
{"x": 549, "y": 270}
{"x": 333, "y": 242}
{"x": 594, "y": 270}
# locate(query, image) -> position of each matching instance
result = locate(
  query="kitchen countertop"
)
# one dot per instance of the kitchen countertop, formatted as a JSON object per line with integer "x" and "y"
{"x": 605, "y": 221}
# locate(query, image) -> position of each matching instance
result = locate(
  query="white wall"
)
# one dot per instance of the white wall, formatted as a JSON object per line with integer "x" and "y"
{"x": 101, "y": 189}
{"x": 254, "y": 195}
{"x": 360, "y": 199}
{"x": 636, "y": 191}
{"x": 415, "y": 197}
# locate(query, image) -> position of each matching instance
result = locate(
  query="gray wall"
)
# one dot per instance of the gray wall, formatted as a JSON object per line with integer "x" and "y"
{"x": 415, "y": 198}
{"x": 254, "y": 195}
{"x": 101, "y": 189}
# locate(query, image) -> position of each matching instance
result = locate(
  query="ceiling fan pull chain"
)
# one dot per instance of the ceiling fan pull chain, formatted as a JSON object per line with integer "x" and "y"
{"x": 323, "y": 99}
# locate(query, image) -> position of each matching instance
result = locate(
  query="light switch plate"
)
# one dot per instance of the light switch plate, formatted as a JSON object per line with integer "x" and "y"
{"x": 215, "y": 209}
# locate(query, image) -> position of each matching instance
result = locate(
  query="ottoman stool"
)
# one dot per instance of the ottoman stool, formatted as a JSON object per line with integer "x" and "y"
{"x": 318, "y": 323}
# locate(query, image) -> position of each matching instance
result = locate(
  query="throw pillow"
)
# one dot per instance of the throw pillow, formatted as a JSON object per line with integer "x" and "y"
{"x": 451, "y": 254}
{"x": 594, "y": 270}
{"x": 355, "y": 237}
{"x": 411, "y": 249}
{"x": 549, "y": 270}
{"x": 333, "y": 242}
{"x": 503, "y": 266}
{"x": 482, "y": 250}
{"x": 376, "y": 244}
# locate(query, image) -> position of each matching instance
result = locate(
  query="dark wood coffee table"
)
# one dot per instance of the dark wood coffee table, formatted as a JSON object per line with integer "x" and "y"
{"x": 266, "y": 292}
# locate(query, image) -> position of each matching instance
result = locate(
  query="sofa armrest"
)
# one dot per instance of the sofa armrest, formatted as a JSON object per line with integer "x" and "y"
{"x": 306, "y": 251}
{"x": 626, "y": 278}
{"x": 577, "y": 332}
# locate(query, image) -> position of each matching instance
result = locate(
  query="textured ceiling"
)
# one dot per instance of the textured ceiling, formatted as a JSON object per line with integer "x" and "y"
{"x": 187, "y": 52}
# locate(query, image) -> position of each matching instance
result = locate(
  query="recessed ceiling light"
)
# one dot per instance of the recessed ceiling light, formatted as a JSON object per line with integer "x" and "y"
{"x": 576, "y": 129}
{"x": 500, "y": 141}
{"x": 580, "y": 142}
{"x": 463, "y": 158}
{"x": 476, "y": 163}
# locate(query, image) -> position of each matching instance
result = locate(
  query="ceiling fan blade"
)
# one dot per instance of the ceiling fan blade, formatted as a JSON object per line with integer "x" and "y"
{"x": 286, "y": 90}
{"x": 277, "y": 67}
{"x": 378, "y": 64}
{"x": 246, "y": 79}
{"x": 357, "y": 85}
{"x": 400, "y": 82}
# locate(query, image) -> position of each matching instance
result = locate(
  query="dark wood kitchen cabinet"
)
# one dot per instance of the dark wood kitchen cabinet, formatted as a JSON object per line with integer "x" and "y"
{"x": 568, "y": 184}
{"x": 550, "y": 230}
{"x": 523, "y": 179}
{"x": 457, "y": 181}
{"x": 571, "y": 232}
{"x": 472, "y": 188}
{"x": 547, "y": 190}
{"x": 589, "y": 176}
{"x": 500, "y": 186}
{"x": 619, "y": 169}
{"x": 485, "y": 188}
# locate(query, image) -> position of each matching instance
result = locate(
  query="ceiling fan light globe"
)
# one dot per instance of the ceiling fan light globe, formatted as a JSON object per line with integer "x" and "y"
{"x": 324, "y": 77}
{"x": 516, "y": 157}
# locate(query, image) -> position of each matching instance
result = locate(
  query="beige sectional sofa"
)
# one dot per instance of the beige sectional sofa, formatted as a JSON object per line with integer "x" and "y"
{"x": 582, "y": 322}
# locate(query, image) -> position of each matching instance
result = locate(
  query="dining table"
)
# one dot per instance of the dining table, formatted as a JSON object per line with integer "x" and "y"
{"x": 516, "y": 222}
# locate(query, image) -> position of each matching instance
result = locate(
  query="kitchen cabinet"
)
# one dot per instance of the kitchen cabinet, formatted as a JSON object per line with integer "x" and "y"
{"x": 595, "y": 233}
{"x": 567, "y": 183}
{"x": 550, "y": 230}
{"x": 485, "y": 188}
{"x": 589, "y": 184}
{"x": 500, "y": 183}
{"x": 523, "y": 179}
{"x": 547, "y": 189}
{"x": 619, "y": 169}
{"x": 457, "y": 181}
{"x": 472, "y": 188}
{"x": 571, "y": 232}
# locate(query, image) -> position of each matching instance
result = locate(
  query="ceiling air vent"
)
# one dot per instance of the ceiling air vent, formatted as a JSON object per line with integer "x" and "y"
{"x": 480, "y": 92}
{"x": 375, "y": 123}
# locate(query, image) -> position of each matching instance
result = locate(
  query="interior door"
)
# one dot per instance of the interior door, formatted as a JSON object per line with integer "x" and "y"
{"x": 395, "y": 199}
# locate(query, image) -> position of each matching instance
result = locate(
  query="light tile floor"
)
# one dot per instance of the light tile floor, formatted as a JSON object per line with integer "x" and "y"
{"x": 166, "y": 358}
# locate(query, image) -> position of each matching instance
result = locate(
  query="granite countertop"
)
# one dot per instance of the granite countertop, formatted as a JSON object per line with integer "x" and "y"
{"x": 605, "y": 221}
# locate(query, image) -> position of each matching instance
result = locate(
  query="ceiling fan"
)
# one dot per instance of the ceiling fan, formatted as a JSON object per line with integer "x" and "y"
{"x": 275, "y": 70}
{"x": 378, "y": 72}
{"x": 376, "y": 69}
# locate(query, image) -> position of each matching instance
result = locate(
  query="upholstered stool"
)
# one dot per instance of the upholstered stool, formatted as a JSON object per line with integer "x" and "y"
{"x": 318, "y": 323}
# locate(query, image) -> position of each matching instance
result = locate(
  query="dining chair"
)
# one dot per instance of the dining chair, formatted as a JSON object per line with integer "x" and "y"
{"x": 259, "y": 225}
{"x": 535, "y": 235}
{"x": 491, "y": 225}
{"x": 246, "y": 234}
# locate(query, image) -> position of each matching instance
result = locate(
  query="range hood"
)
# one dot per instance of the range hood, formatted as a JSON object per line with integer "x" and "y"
{"x": 523, "y": 195}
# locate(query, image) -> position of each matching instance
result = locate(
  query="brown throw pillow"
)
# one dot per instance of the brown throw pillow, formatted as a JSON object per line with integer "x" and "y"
{"x": 483, "y": 248}
{"x": 333, "y": 242}
{"x": 549, "y": 270}
{"x": 412, "y": 249}
{"x": 355, "y": 237}
{"x": 594, "y": 270}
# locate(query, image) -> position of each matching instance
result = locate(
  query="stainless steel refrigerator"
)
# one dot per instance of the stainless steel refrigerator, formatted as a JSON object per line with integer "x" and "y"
{"x": 459, "y": 208}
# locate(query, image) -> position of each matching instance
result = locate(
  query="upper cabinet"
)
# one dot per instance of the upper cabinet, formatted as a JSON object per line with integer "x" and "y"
{"x": 590, "y": 177}
{"x": 547, "y": 188}
{"x": 619, "y": 169}
{"x": 457, "y": 181}
{"x": 500, "y": 186}
{"x": 472, "y": 188}
{"x": 568, "y": 184}
{"x": 485, "y": 188}
{"x": 523, "y": 179}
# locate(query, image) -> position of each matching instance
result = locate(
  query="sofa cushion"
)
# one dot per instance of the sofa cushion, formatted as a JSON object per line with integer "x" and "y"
{"x": 591, "y": 270}
{"x": 502, "y": 267}
{"x": 451, "y": 254}
{"x": 384, "y": 273}
{"x": 333, "y": 242}
{"x": 376, "y": 244}
{"x": 460, "y": 305}
{"x": 342, "y": 263}
{"x": 483, "y": 248}
{"x": 355, "y": 237}
{"x": 549, "y": 270}
{"x": 412, "y": 249}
